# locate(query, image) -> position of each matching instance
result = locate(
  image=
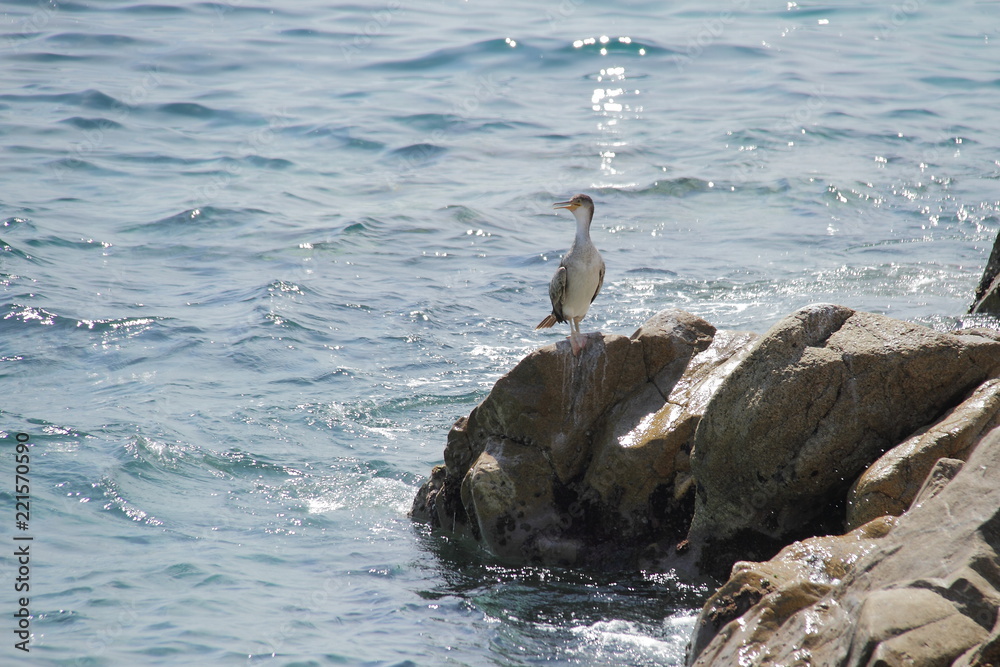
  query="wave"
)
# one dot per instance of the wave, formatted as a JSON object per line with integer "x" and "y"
{"x": 194, "y": 219}
{"x": 100, "y": 40}
{"x": 92, "y": 123}
{"x": 86, "y": 99}
{"x": 418, "y": 153}
{"x": 19, "y": 316}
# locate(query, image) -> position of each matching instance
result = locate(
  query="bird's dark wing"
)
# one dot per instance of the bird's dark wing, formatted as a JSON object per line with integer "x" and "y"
{"x": 600, "y": 283}
{"x": 557, "y": 290}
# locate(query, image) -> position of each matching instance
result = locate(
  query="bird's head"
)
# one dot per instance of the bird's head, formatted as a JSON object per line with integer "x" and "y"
{"x": 576, "y": 202}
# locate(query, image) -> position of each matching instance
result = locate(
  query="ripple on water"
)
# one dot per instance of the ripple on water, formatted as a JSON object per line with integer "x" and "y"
{"x": 199, "y": 219}
{"x": 96, "y": 40}
{"x": 92, "y": 123}
{"x": 87, "y": 99}
{"x": 463, "y": 56}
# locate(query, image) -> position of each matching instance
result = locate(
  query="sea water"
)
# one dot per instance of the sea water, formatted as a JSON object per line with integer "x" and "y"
{"x": 258, "y": 257}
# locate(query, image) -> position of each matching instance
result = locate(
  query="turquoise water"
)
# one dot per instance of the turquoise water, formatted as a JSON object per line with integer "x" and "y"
{"x": 257, "y": 260}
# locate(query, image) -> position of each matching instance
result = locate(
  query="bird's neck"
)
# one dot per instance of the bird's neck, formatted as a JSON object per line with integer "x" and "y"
{"x": 583, "y": 219}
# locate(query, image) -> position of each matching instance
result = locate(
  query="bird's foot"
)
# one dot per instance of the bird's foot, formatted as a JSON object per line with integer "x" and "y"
{"x": 578, "y": 342}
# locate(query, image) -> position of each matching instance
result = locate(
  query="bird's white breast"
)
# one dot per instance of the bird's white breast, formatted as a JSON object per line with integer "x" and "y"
{"x": 583, "y": 275}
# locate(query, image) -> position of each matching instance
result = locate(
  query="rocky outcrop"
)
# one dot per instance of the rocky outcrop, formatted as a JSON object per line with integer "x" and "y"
{"x": 820, "y": 397}
{"x": 689, "y": 448}
{"x": 923, "y": 589}
{"x": 584, "y": 460}
{"x": 987, "y": 299}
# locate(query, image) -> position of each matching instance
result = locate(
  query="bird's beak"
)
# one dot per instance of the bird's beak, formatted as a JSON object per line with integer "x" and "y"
{"x": 564, "y": 204}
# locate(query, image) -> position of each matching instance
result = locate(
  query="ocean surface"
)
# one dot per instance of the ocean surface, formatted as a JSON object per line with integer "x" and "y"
{"x": 256, "y": 260}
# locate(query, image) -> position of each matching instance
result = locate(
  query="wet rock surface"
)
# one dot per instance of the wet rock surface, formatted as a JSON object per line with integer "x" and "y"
{"x": 795, "y": 579}
{"x": 845, "y": 462}
{"x": 584, "y": 460}
{"x": 922, "y": 589}
{"x": 820, "y": 397}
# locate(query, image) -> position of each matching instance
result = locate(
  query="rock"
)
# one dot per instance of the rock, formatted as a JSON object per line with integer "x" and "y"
{"x": 583, "y": 460}
{"x": 926, "y": 592}
{"x": 943, "y": 472}
{"x": 891, "y": 483}
{"x": 910, "y": 626}
{"x": 432, "y": 504}
{"x": 631, "y": 467}
{"x": 986, "y": 654}
{"x": 820, "y": 397}
{"x": 982, "y": 332}
{"x": 798, "y": 577}
{"x": 987, "y": 299}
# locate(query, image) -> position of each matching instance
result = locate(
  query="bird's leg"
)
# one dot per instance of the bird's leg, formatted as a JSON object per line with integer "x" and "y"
{"x": 572, "y": 339}
{"x": 576, "y": 339}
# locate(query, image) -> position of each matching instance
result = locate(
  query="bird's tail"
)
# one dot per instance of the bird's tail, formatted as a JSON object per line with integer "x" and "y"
{"x": 547, "y": 322}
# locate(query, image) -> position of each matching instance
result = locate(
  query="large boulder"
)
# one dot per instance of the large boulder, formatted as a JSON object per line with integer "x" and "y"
{"x": 891, "y": 483}
{"x": 584, "y": 460}
{"x": 820, "y": 397}
{"x": 923, "y": 589}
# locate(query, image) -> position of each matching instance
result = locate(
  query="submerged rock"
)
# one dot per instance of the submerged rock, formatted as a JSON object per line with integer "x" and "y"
{"x": 923, "y": 589}
{"x": 820, "y": 397}
{"x": 583, "y": 460}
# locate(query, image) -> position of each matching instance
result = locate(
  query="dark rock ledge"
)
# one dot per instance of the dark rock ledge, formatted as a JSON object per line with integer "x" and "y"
{"x": 987, "y": 299}
{"x": 700, "y": 450}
